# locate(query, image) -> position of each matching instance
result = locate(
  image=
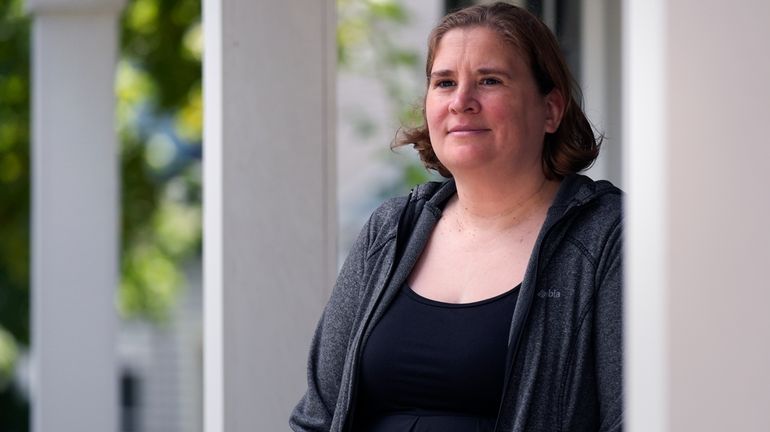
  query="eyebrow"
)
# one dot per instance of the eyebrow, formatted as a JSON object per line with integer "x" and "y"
{"x": 493, "y": 71}
{"x": 443, "y": 73}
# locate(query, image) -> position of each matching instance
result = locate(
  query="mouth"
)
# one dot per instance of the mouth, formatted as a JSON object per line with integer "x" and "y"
{"x": 467, "y": 130}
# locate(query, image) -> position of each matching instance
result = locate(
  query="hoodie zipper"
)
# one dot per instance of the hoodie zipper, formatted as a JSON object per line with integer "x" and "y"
{"x": 513, "y": 351}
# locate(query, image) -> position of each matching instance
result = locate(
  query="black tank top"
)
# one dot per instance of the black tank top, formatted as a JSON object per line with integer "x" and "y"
{"x": 429, "y": 365}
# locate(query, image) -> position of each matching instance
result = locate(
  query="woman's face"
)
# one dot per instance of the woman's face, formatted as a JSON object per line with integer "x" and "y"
{"x": 483, "y": 108}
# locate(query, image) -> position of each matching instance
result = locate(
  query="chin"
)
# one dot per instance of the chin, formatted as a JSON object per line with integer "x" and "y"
{"x": 467, "y": 157}
{"x": 468, "y": 166}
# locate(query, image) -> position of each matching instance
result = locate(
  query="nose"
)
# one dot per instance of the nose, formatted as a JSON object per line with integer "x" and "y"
{"x": 464, "y": 100}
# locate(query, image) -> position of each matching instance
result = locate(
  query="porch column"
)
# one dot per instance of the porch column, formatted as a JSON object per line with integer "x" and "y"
{"x": 697, "y": 321}
{"x": 74, "y": 215}
{"x": 269, "y": 203}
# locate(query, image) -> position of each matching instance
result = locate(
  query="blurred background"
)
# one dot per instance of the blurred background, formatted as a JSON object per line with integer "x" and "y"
{"x": 159, "y": 108}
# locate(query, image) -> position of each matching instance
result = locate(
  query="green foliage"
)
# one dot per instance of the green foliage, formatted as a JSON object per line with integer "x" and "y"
{"x": 159, "y": 110}
{"x": 8, "y": 354}
{"x": 159, "y": 101}
{"x": 14, "y": 207}
{"x": 14, "y": 411}
{"x": 366, "y": 46}
{"x": 14, "y": 172}
{"x": 153, "y": 37}
{"x": 159, "y": 114}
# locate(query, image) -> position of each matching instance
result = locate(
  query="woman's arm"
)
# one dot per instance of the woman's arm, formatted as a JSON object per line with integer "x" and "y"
{"x": 609, "y": 333}
{"x": 329, "y": 346}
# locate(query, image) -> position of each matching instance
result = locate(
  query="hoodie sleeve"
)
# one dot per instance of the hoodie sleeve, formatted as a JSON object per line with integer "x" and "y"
{"x": 609, "y": 333}
{"x": 329, "y": 346}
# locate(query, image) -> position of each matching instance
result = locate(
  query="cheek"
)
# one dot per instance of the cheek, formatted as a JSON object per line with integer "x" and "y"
{"x": 431, "y": 106}
{"x": 433, "y": 116}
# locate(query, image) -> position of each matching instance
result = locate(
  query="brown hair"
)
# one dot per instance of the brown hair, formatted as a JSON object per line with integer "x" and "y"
{"x": 573, "y": 147}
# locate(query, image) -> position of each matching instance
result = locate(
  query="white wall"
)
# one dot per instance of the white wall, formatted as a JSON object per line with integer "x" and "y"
{"x": 698, "y": 327}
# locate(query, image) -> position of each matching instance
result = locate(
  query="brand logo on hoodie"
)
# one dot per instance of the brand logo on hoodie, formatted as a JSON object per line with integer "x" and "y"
{"x": 550, "y": 294}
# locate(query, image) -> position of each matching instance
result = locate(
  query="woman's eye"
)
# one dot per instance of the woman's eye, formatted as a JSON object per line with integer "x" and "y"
{"x": 443, "y": 83}
{"x": 490, "y": 81}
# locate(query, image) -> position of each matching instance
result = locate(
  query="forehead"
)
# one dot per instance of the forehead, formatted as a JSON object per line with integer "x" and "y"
{"x": 477, "y": 44}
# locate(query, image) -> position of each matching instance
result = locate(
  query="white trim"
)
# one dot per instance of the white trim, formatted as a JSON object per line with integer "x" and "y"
{"x": 646, "y": 177}
{"x": 213, "y": 364}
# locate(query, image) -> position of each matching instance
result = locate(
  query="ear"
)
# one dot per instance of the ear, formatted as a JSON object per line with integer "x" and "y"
{"x": 554, "y": 110}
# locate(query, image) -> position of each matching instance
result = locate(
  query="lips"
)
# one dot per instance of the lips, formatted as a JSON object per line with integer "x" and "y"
{"x": 467, "y": 130}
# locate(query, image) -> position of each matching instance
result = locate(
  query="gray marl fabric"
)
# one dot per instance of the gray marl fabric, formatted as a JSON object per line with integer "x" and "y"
{"x": 565, "y": 348}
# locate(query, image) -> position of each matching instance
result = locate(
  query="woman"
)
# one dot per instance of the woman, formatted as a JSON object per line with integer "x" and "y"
{"x": 491, "y": 301}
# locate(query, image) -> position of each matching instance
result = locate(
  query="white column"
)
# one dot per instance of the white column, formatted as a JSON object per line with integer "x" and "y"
{"x": 269, "y": 203}
{"x": 74, "y": 215}
{"x": 698, "y": 327}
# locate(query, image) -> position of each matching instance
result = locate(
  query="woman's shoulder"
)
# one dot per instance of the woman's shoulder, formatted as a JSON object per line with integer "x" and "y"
{"x": 608, "y": 203}
{"x": 404, "y": 209}
{"x": 596, "y": 209}
{"x": 601, "y": 199}
{"x": 390, "y": 211}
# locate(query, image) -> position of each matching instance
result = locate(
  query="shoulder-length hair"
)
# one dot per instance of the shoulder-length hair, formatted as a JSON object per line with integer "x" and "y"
{"x": 573, "y": 146}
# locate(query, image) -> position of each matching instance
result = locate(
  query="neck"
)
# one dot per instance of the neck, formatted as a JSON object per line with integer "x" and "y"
{"x": 496, "y": 203}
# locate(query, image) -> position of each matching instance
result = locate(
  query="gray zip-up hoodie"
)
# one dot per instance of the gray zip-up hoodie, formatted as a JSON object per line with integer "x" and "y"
{"x": 564, "y": 370}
